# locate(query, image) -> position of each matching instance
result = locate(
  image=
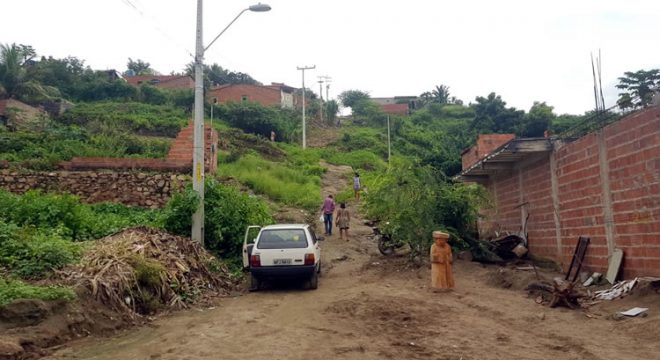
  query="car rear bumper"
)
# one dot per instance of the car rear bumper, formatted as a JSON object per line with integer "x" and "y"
{"x": 295, "y": 271}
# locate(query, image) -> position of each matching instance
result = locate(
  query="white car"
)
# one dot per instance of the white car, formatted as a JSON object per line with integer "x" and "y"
{"x": 282, "y": 251}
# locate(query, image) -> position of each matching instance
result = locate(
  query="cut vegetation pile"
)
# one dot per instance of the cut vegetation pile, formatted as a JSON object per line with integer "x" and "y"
{"x": 141, "y": 270}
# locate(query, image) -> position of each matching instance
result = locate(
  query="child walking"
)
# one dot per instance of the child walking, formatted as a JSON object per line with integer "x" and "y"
{"x": 343, "y": 220}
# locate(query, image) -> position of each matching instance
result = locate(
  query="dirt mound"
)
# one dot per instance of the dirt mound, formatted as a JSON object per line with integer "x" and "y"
{"x": 141, "y": 269}
{"x": 511, "y": 278}
{"x": 121, "y": 277}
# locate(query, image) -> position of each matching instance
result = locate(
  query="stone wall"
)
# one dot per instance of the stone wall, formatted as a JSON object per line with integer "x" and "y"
{"x": 129, "y": 188}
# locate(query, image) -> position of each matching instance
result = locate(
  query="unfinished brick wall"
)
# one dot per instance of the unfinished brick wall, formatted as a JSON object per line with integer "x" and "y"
{"x": 607, "y": 187}
{"x": 179, "y": 158}
{"x": 486, "y": 143}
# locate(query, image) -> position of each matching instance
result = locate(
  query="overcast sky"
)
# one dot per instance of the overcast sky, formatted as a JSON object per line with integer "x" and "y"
{"x": 525, "y": 51}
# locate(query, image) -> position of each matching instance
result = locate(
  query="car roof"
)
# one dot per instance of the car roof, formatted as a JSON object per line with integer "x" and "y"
{"x": 285, "y": 226}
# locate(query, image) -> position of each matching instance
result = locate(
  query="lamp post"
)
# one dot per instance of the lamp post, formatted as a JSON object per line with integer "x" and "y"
{"x": 198, "y": 122}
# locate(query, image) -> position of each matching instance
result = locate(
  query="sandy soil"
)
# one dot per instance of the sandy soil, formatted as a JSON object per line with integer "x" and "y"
{"x": 370, "y": 307}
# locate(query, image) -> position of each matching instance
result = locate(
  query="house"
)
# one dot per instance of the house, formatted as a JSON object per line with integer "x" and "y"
{"x": 604, "y": 185}
{"x": 183, "y": 82}
{"x": 397, "y": 105}
{"x": 275, "y": 94}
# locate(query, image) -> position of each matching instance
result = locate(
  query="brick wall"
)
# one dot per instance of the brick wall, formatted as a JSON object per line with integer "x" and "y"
{"x": 234, "y": 93}
{"x": 486, "y": 143}
{"x": 163, "y": 81}
{"x": 607, "y": 187}
{"x": 129, "y": 188}
{"x": 179, "y": 158}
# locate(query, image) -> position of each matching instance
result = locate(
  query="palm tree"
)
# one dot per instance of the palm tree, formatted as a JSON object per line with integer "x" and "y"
{"x": 13, "y": 76}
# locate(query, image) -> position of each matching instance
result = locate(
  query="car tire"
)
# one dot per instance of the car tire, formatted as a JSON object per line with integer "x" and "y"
{"x": 255, "y": 283}
{"x": 313, "y": 282}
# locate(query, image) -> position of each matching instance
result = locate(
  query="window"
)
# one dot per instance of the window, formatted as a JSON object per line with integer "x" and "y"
{"x": 282, "y": 239}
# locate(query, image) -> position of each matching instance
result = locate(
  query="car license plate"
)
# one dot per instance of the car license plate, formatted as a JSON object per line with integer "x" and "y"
{"x": 282, "y": 262}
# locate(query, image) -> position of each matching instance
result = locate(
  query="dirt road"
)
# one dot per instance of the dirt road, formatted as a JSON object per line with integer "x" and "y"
{"x": 368, "y": 307}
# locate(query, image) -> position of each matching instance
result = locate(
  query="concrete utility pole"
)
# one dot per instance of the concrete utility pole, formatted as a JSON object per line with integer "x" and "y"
{"x": 304, "y": 135}
{"x": 321, "y": 95}
{"x": 197, "y": 231}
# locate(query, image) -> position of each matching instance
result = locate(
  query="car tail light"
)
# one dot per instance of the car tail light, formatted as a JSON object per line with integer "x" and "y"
{"x": 255, "y": 261}
{"x": 309, "y": 259}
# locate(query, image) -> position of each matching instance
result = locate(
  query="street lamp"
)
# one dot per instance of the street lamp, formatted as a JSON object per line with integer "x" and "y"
{"x": 198, "y": 122}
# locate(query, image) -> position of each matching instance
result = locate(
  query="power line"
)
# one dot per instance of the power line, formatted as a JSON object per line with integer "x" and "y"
{"x": 156, "y": 25}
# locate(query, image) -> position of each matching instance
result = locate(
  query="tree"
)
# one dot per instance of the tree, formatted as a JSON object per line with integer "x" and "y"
{"x": 138, "y": 67}
{"x": 492, "y": 115}
{"x": 349, "y": 98}
{"x": 64, "y": 74}
{"x": 537, "y": 120}
{"x": 439, "y": 95}
{"x": 13, "y": 75}
{"x": 640, "y": 84}
{"x": 216, "y": 75}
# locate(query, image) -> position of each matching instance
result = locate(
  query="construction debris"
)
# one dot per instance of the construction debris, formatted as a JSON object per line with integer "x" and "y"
{"x": 142, "y": 269}
{"x": 562, "y": 292}
{"x": 634, "y": 311}
{"x": 621, "y": 289}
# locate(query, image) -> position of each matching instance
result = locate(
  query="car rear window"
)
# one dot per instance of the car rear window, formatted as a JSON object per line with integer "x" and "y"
{"x": 282, "y": 239}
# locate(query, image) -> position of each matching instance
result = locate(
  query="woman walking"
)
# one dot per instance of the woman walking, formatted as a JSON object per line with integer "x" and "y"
{"x": 357, "y": 186}
{"x": 343, "y": 220}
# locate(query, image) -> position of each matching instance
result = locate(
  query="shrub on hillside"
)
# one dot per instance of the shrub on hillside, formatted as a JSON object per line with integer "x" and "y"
{"x": 32, "y": 253}
{"x": 144, "y": 119}
{"x": 260, "y": 120}
{"x": 228, "y": 212}
{"x": 11, "y": 290}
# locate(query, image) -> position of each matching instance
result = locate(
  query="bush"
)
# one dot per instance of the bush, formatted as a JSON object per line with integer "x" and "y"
{"x": 228, "y": 212}
{"x": 32, "y": 253}
{"x": 11, "y": 290}
{"x": 416, "y": 200}
{"x": 260, "y": 120}
{"x": 360, "y": 159}
{"x": 138, "y": 118}
{"x": 65, "y": 213}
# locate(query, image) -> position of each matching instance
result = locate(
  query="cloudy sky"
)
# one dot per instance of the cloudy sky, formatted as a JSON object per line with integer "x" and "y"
{"x": 525, "y": 51}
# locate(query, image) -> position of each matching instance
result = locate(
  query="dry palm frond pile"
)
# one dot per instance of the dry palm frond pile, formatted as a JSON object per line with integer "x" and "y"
{"x": 140, "y": 270}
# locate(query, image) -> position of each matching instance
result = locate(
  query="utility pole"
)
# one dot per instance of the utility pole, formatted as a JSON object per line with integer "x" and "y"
{"x": 304, "y": 136}
{"x": 389, "y": 143}
{"x": 198, "y": 133}
{"x": 321, "y": 95}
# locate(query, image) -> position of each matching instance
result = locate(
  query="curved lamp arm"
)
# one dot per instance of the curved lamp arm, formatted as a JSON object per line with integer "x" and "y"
{"x": 256, "y": 8}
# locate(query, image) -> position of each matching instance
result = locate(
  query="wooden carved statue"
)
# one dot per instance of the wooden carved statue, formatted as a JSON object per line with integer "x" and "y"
{"x": 441, "y": 261}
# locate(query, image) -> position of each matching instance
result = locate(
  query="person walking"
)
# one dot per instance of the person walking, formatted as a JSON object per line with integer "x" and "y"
{"x": 357, "y": 186}
{"x": 343, "y": 220}
{"x": 328, "y": 209}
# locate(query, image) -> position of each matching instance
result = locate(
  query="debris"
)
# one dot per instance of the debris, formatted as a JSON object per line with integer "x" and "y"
{"x": 614, "y": 264}
{"x": 520, "y": 250}
{"x": 578, "y": 257}
{"x": 525, "y": 268}
{"x": 594, "y": 278}
{"x": 341, "y": 258}
{"x": 562, "y": 292}
{"x": 504, "y": 246}
{"x": 139, "y": 268}
{"x": 634, "y": 311}
{"x": 621, "y": 289}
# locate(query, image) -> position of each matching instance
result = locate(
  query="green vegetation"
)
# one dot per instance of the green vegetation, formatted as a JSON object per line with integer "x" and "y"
{"x": 133, "y": 117}
{"x": 11, "y": 290}
{"x": 228, "y": 212}
{"x": 295, "y": 186}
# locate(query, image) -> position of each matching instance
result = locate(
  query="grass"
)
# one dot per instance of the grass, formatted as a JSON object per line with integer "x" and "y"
{"x": 280, "y": 182}
{"x": 359, "y": 159}
{"x": 11, "y": 290}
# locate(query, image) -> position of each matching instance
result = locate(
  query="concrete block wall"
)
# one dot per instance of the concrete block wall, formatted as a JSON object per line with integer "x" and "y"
{"x": 605, "y": 185}
{"x": 234, "y": 93}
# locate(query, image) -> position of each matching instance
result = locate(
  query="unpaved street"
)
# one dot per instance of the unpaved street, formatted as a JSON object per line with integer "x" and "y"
{"x": 368, "y": 307}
